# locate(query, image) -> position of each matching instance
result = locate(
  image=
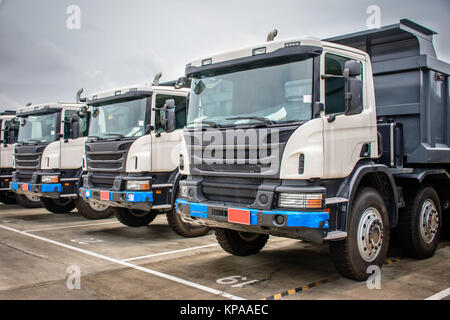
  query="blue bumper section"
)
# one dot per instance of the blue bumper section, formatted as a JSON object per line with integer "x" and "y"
{"x": 36, "y": 188}
{"x": 125, "y": 196}
{"x": 306, "y": 219}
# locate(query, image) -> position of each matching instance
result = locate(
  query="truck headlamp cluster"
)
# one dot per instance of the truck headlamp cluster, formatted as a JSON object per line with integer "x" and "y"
{"x": 50, "y": 179}
{"x": 183, "y": 191}
{"x": 300, "y": 200}
{"x": 138, "y": 185}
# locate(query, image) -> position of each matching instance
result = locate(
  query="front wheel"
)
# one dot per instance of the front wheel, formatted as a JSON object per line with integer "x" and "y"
{"x": 184, "y": 228}
{"x": 58, "y": 206}
{"x": 28, "y": 201}
{"x": 367, "y": 242}
{"x": 7, "y": 197}
{"x": 93, "y": 211}
{"x": 241, "y": 243}
{"x": 134, "y": 218}
{"x": 419, "y": 225}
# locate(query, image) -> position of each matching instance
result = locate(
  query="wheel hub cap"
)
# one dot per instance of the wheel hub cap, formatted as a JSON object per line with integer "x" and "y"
{"x": 370, "y": 234}
{"x": 429, "y": 221}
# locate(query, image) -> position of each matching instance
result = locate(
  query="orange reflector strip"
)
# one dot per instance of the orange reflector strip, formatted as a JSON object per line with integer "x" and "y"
{"x": 158, "y": 191}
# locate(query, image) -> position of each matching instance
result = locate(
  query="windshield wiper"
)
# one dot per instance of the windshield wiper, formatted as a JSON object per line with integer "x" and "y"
{"x": 28, "y": 141}
{"x": 209, "y": 123}
{"x": 118, "y": 135}
{"x": 265, "y": 120}
{"x": 95, "y": 137}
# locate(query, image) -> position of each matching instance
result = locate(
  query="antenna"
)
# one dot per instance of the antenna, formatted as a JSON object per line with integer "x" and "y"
{"x": 272, "y": 34}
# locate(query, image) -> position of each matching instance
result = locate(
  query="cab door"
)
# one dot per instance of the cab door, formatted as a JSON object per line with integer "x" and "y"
{"x": 345, "y": 136}
{"x": 166, "y": 146}
{"x": 72, "y": 150}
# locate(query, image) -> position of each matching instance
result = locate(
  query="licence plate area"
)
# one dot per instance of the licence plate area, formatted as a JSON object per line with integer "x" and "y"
{"x": 239, "y": 216}
{"x": 104, "y": 195}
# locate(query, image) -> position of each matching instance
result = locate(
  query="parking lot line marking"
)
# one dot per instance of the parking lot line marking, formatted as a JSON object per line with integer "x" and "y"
{"x": 127, "y": 264}
{"x": 440, "y": 295}
{"x": 74, "y": 226}
{"x": 170, "y": 252}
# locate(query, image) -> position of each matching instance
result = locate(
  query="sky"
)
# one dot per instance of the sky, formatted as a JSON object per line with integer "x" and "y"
{"x": 47, "y": 54}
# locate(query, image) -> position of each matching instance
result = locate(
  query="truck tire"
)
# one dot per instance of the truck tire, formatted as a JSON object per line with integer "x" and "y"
{"x": 7, "y": 197}
{"x": 367, "y": 242}
{"x": 134, "y": 218}
{"x": 58, "y": 206}
{"x": 420, "y": 222}
{"x": 185, "y": 229}
{"x": 92, "y": 211}
{"x": 27, "y": 201}
{"x": 240, "y": 243}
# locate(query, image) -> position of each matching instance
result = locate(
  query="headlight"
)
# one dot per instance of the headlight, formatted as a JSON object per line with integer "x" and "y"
{"x": 50, "y": 179}
{"x": 183, "y": 191}
{"x": 138, "y": 185}
{"x": 300, "y": 200}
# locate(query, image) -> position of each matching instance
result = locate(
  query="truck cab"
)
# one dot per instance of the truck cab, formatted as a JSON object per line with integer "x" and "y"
{"x": 321, "y": 140}
{"x": 49, "y": 153}
{"x": 131, "y": 154}
{"x": 7, "y": 141}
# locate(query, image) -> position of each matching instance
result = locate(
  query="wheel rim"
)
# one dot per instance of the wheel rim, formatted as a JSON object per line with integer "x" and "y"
{"x": 248, "y": 236}
{"x": 32, "y": 197}
{"x": 429, "y": 221}
{"x": 97, "y": 206}
{"x": 370, "y": 234}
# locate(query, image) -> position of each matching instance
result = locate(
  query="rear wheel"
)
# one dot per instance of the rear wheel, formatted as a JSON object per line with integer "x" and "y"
{"x": 28, "y": 201}
{"x": 367, "y": 242}
{"x": 134, "y": 218}
{"x": 93, "y": 211}
{"x": 58, "y": 206}
{"x": 7, "y": 197}
{"x": 419, "y": 226}
{"x": 241, "y": 243}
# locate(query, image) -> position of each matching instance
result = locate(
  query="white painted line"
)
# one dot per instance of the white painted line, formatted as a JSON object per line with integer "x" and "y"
{"x": 74, "y": 226}
{"x": 440, "y": 295}
{"x": 127, "y": 264}
{"x": 170, "y": 252}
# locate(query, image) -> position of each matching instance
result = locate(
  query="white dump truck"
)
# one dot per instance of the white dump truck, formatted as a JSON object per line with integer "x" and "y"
{"x": 131, "y": 154}
{"x": 48, "y": 157}
{"x": 8, "y": 139}
{"x": 339, "y": 140}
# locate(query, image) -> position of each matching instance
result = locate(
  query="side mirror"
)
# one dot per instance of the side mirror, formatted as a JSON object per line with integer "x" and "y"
{"x": 11, "y": 136}
{"x": 353, "y": 87}
{"x": 169, "y": 114}
{"x": 182, "y": 82}
{"x": 75, "y": 126}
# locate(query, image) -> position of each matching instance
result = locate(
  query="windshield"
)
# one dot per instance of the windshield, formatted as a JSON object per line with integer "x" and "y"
{"x": 270, "y": 94}
{"x": 38, "y": 128}
{"x": 121, "y": 119}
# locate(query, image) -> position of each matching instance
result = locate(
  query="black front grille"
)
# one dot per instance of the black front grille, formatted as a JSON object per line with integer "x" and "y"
{"x": 105, "y": 160}
{"x": 234, "y": 190}
{"x": 249, "y": 152}
{"x": 27, "y": 160}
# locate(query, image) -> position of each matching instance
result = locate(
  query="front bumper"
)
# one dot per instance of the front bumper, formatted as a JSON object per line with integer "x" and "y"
{"x": 42, "y": 190}
{"x": 140, "y": 200}
{"x": 212, "y": 213}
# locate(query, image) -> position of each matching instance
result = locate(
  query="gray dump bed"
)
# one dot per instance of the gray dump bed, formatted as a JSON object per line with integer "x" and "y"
{"x": 411, "y": 87}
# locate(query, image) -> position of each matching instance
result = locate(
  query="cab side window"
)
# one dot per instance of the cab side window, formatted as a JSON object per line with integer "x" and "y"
{"x": 334, "y": 87}
{"x": 180, "y": 111}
